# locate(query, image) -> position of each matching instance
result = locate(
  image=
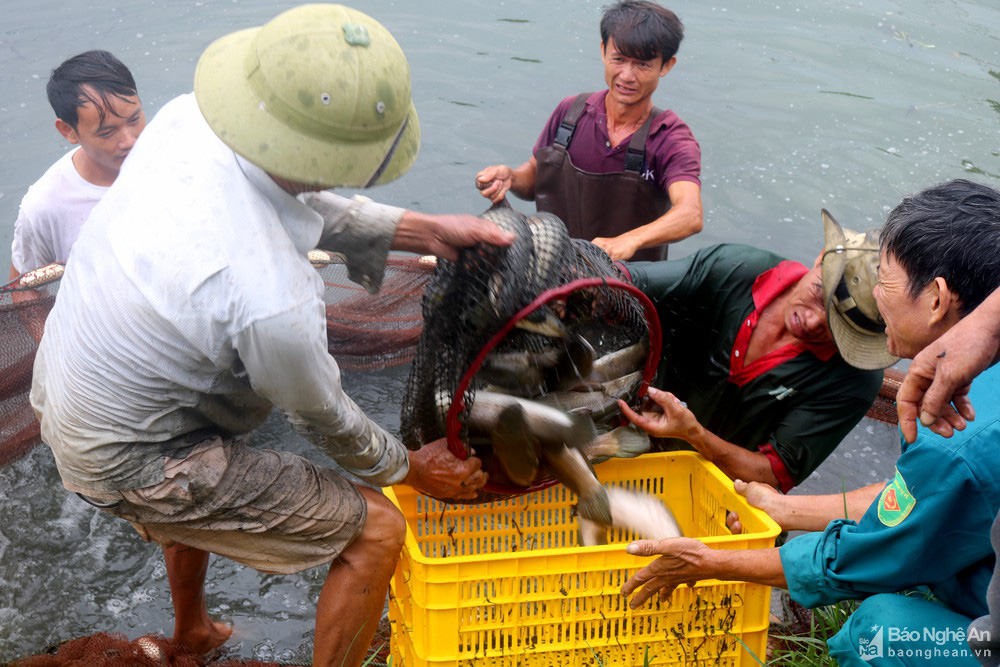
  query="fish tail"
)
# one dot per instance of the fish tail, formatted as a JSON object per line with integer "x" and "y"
{"x": 625, "y": 442}
{"x": 595, "y": 506}
{"x": 643, "y": 514}
{"x": 590, "y": 533}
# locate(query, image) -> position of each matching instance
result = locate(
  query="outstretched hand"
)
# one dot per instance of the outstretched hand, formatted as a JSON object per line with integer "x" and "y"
{"x": 445, "y": 235}
{"x": 436, "y": 472}
{"x": 675, "y": 420}
{"x": 937, "y": 383}
{"x": 682, "y": 561}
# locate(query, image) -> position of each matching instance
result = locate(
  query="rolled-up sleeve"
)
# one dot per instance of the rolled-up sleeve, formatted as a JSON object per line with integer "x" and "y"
{"x": 923, "y": 542}
{"x": 359, "y": 230}
{"x": 286, "y": 360}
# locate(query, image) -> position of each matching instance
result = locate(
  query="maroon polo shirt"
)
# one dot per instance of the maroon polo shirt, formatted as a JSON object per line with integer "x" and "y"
{"x": 672, "y": 153}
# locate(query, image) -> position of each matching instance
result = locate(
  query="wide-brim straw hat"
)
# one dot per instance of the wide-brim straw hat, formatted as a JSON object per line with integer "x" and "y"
{"x": 850, "y": 272}
{"x": 320, "y": 95}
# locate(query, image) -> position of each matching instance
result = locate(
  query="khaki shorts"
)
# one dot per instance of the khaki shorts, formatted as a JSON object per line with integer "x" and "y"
{"x": 274, "y": 511}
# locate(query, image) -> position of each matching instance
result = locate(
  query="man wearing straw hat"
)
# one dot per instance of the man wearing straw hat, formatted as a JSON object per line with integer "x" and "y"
{"x": 930, "y": 524}
{"x": 775, "y": 361}
{"x": 189, "y": 310}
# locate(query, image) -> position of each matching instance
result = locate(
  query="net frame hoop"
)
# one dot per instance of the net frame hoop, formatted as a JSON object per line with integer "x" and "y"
{"x": 453, "y": 425}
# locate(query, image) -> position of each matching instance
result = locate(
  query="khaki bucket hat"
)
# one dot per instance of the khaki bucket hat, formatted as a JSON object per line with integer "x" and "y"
{"x": 850, "y": 271}
{"x": 319, "y": 95}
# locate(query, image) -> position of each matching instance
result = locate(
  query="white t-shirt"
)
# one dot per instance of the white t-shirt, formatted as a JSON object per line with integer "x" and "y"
{"x": 52, "y": 213}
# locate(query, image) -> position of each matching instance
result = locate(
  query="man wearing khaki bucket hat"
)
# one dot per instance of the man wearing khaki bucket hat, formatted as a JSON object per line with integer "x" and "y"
{"x": 189, "y": 310}
{"x": 849, "y": 273}
{"x": 790, "y": 363}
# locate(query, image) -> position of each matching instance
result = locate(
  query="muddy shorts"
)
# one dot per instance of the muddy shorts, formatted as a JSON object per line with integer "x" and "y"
{"x": 274, "y": 511}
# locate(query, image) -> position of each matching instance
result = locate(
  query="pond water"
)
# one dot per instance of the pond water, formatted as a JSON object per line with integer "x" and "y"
{"x": 798, "y": 106}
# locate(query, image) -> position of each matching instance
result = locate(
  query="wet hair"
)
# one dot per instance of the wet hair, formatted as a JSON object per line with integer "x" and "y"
{"x": 642, "y": 30}
{"x": 105, "y": 75}
{"x": 952, "y": 231}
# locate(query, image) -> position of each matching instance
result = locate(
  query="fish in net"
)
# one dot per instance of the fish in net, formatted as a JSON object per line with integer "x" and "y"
{"x": 525, "y": 352}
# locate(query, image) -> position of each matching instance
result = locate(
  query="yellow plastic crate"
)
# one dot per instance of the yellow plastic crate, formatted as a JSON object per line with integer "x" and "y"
{"x": 505, "y": 584}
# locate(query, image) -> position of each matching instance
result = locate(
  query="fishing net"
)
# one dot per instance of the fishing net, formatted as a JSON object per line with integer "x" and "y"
{"x": 22, "y": 318}
{"x": 103, "y": 649}
{"x": 364, "y": 331}
{"x": 514, "y": 320}
{"x": 369, "y": 331}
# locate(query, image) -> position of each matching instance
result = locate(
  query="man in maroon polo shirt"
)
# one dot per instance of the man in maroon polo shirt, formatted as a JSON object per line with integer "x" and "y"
{"x": 614, "y": 168}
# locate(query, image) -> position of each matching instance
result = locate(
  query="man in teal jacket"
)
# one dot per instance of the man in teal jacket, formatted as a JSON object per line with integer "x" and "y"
{"x": 929, "y": 526}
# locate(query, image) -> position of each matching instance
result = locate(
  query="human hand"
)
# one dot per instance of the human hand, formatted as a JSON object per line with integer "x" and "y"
{"x": 619, "y": 248}
{"x": 759, "y": 495}
{"x": 936, "y": 386}
{"x": 675, "y": 420}
{"x": 436, "y": 472}
{"x": 682, "y": 561}
{"x": 445, "y": 235}
{"x": 494, "y": 182}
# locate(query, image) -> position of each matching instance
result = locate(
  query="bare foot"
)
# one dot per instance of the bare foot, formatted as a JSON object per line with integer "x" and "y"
{"x": 204, "y": 638}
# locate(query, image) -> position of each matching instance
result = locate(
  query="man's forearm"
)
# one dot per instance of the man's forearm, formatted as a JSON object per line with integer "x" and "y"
{"x": 522, "y": 182}
{"x": 757, "y": 566}
{"x": 987, "y": 315}
{"x": 735, "y": 461}
{"x": 675, "y": 225}
{"x": 814, "y": 513}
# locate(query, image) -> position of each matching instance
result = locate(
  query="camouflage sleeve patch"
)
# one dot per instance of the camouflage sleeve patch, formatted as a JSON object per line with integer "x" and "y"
{"x": 896, "y": 502}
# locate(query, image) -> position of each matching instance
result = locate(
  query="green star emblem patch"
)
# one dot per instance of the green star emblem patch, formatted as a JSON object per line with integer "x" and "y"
{"x": 896, "y": 502}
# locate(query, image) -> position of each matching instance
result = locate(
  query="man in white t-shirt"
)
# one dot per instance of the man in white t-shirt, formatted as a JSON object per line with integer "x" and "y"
{"x": 98, "y": 109}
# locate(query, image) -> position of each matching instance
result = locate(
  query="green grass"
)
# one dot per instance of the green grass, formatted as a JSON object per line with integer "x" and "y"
{"x": 809, "y": 648}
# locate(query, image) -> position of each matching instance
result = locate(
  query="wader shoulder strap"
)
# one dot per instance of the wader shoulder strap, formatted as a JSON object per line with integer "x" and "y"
{"x": 637, "y": 147}
{"x": 564, "y": 134}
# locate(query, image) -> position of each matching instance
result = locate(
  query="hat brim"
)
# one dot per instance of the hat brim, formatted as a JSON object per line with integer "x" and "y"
{"x": 241, "y": 120}
{"x": 864, "y": 351}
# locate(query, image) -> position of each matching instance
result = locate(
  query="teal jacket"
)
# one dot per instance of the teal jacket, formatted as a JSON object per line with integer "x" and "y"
{"x": 929, "y": 527}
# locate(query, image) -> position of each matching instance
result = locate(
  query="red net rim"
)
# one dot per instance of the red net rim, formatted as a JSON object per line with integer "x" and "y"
{"x": 453, "y": 425}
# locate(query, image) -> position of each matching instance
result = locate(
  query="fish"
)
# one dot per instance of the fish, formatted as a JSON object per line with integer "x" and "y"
{"x": 591, "y": 533}
{"x": 515, "y": 447}
{"x": 550, "y": 242}
{"x": 597, "y": 400}
{"x": 585, "y": 401}
{"x": 527, "y": 433}
{"x": 569, "y": 466}
{"x": 620, "y": 363}
{"x": 523, "y": 431}
{"x": 502, "y": 287}
{"x": 574, "y": 366}
{"x": 624, "y": 442}
{"x": 543, "y": 322}
{"x": 643, "y": 514}
{"x": 623, "y": 387}
{"x": 520, "y": 371}
{"x": 530, "y": 373}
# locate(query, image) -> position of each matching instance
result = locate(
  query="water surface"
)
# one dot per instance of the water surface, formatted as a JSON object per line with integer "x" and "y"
{"x": 798, "y": 106}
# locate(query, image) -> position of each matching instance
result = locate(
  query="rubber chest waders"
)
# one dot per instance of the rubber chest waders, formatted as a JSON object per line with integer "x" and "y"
{"x": 594, "y": 205}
